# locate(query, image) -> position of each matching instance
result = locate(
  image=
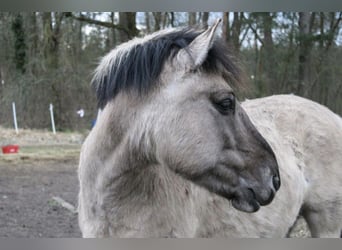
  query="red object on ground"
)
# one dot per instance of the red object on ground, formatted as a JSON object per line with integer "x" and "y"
{"x": 10, "y": 149}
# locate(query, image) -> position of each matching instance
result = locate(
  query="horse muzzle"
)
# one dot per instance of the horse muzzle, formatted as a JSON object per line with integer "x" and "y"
{"x": 249, "y": 198}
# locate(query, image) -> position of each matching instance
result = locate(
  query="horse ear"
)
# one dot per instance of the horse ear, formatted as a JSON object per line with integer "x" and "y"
{"x": 197, "y": 51}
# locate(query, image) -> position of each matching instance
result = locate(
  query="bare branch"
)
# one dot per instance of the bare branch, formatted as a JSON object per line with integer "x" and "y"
{"x": 88, "y": 20}
{"x": 254, "y": 30}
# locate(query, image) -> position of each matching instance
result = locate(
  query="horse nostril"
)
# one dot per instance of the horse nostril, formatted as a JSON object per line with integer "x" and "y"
{"x": 276, "y": 182}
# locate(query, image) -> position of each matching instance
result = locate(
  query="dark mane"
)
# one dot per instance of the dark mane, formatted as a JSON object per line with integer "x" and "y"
{"x": 138, "y": 66}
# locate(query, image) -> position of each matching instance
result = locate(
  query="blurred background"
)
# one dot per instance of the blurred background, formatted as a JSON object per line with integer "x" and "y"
{"x": 49, "y": 57}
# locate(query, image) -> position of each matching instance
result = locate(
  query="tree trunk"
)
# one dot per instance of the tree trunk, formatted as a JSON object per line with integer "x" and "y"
{"x": 19, "y": 43}
{"x": 33, "y": 40}
{"x": 147, "y": 22}
{"x": 128, "y": 24}
{"x": 205, "y": 17}
{"x": 192, "y": 19}
{"x": 304, "y": 53}
{"x": 164, "y": 20}
{"x": 52, "y": 27}
{"x": 225, "y": 27}
{"x": 172, "y": 19}
{"x": 52, "y": 34}
{"x": 157, "y": 20}
{"x": 111, "y": 33}
{"x": 269, "y": 62}
{"x": 236, "y": 30}
{"x": 327, "y": 40}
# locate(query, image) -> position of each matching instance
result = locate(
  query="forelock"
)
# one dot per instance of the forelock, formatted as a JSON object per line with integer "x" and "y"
{"x": 136, "y": 65}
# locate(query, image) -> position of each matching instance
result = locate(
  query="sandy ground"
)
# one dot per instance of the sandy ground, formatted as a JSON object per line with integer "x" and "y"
{"x": 44, "y": 168}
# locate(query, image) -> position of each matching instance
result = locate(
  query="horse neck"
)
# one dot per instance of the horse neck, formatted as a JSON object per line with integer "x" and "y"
{"x": 133, "y": 185}
{"x": 135, "y": 178}
{"x": 137, "y": 195}
{"x": 127, "y": 167}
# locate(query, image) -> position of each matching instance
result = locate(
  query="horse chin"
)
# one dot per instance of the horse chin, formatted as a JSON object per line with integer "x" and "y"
{"x": 248, "y": 206}
{"x": 245, "y": 200}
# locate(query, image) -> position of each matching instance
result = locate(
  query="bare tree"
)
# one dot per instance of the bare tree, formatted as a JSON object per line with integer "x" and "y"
{"x": 172, "y": 19}
{"x": 19, "y": 43}
{"x": 232, "y": 31}
{"x": 192, "y": 18}
{"x": 111, "y": 38}
{"x": 126, "y": 26}
{"x": 33, "y": 44}
{"x": 52, "y": 33}
{"x": 226, "y": 27}
{"x": 157, "y": 20}
{"x": 305, "y": 44}
{"x": 268, "y": 52}
{"x": 128, "y": 23}
{"x": 205, "y": 18}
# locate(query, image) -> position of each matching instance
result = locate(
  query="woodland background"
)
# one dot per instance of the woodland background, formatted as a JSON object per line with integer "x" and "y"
{"x": 49, "y": 57}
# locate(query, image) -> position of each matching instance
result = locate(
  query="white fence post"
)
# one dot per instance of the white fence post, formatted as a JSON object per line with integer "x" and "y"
{"x": 52, "y": 119}
{"x": 15, "y": 117}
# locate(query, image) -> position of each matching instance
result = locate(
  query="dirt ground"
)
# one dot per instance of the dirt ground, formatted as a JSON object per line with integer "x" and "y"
{"x": 45, "y": 168}
{"x": 27, "y": 207}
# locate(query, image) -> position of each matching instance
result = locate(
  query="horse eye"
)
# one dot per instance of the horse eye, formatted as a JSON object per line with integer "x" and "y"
{"x": 226, "y": 105}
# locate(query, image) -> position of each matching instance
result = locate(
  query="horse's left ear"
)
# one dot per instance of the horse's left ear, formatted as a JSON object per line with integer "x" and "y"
{"x": 196, "y": 52}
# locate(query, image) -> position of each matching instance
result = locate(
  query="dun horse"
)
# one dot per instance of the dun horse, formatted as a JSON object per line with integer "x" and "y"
{"x": 174, "y": 154}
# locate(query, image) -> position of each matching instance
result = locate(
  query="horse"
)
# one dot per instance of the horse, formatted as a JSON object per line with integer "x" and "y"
{"x": 175, "y": 154}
